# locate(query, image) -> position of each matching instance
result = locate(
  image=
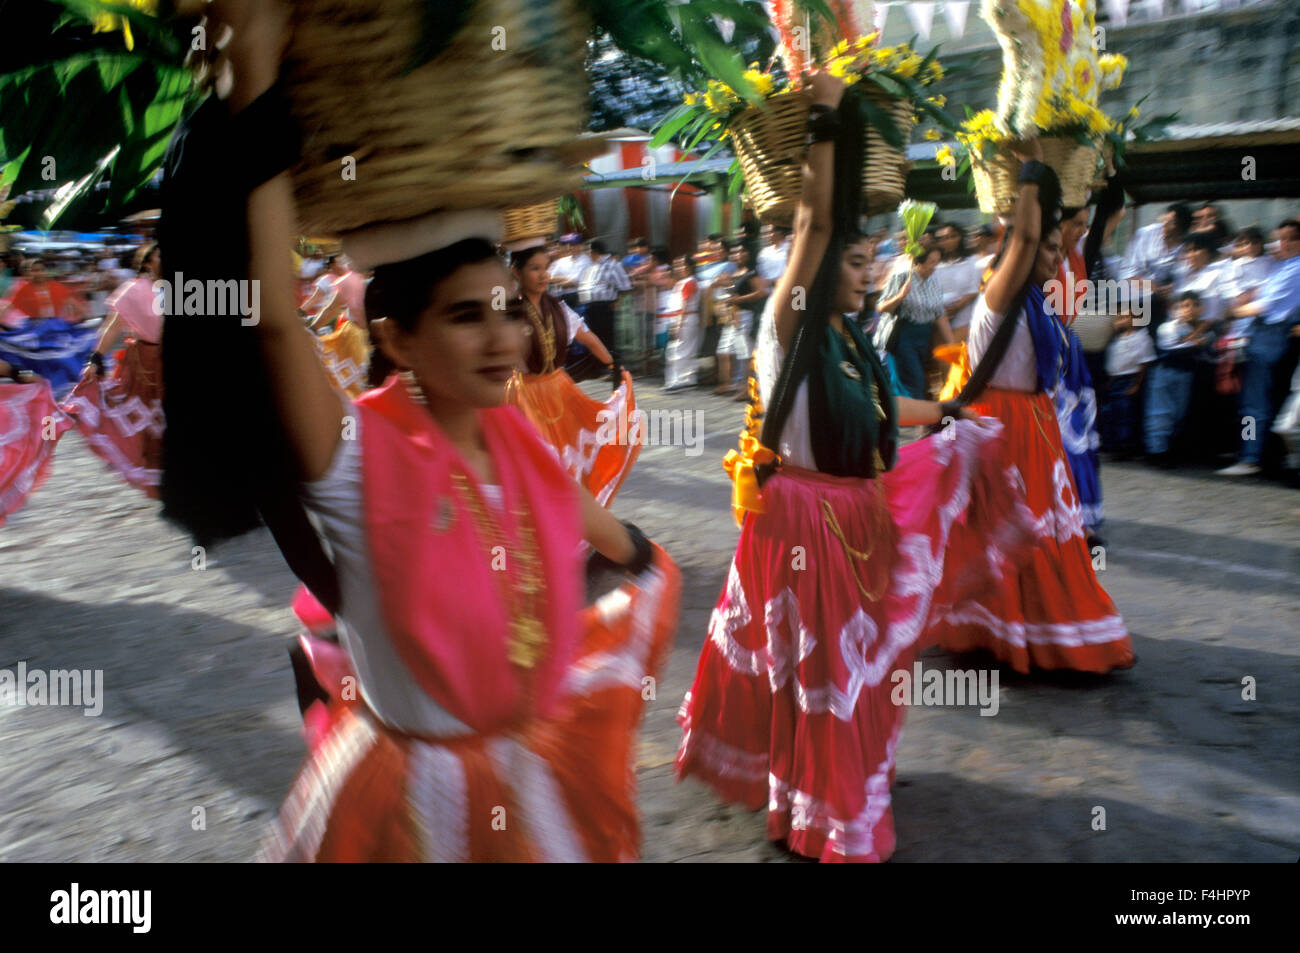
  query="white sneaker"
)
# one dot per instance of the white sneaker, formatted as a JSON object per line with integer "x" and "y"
{"x": 1239, "y": 469}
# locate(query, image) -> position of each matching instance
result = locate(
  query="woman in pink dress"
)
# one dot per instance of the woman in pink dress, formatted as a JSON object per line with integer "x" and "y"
{"x": 476, "y": 710}
{"x": 847, "y": 545}
{"x": 121, "y": 416}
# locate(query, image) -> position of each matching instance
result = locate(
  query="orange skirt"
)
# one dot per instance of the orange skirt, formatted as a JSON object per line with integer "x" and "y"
{"x": 597, "y": 441}
{"x": 345, "y": 352}
{"x": 1051, "y": 613}
{"x": 560, "y": 788}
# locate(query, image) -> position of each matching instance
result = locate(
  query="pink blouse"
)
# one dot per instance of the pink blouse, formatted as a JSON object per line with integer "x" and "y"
{"x": 134, "y": 304}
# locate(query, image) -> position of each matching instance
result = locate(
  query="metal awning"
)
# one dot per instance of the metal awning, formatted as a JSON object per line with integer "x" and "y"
{"x": 704, "y": 172}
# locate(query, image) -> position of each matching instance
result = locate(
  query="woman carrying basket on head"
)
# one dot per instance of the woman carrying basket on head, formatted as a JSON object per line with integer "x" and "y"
{"x": 490, "y": 717}
{"x": 844, "y": 548}
{"x": 597, "y": 441}
{"x": 121, "y": 417}
{"x": 1052, "y": 613}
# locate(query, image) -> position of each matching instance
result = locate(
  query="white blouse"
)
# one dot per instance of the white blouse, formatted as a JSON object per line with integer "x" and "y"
{"x": 796, "y": 440}
{"x": 1019, "y": 368}
{"x": 385, "y": 682}
{"x": 573, "y": 321}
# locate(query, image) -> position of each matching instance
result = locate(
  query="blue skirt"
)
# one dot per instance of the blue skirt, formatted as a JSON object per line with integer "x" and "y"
{"x": 51, "y": 348}
{"x": 1076, "y": 412}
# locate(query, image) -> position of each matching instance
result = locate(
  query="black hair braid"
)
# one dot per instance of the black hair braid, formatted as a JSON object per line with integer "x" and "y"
{"x": 846, "y": 213}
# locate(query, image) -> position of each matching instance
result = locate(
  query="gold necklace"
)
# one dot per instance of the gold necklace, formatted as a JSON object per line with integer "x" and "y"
{"x": 853, "y": 373}
{"x": 527, "y": 632}
{"x": 546, "y": 333}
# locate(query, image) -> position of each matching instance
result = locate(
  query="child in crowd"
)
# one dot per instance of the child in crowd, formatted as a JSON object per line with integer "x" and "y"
{"x": 1170, "y": 393}
{"x": 1127, "y": 357}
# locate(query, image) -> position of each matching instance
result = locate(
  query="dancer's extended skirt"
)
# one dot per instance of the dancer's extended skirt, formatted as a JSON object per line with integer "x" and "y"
{"x": 558, "y": 789}
{"x": 832, "y": 589}
{"x": 1052, "y": 613}
{"x": 598, "y": 441}
{"x": 121, "y": 417}
{"x": 345, "y": 352}
{"x": 51, "y": 348}
{"x": 30, "y": 425}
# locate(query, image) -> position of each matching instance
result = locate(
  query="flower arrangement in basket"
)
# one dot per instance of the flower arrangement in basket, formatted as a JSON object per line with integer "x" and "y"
{"x": 1052, "y": 78}
{"x": 761, "y": 113}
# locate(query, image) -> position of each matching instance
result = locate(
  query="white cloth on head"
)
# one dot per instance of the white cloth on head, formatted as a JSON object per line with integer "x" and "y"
{"x": 391, "y": 242}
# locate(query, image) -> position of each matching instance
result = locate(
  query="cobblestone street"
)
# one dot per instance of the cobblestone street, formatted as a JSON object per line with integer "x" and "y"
{"x": 199, "y": 709}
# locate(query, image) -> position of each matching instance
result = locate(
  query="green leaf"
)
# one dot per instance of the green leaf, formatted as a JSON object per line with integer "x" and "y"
{"x": 737, "y": 179}
{"x": 882, "y": 121}
{"x": 892, "y": 84}
{"x": 941, "y": 118}
{"x": 73, "y": 191}
{"x": 670, "y": 124}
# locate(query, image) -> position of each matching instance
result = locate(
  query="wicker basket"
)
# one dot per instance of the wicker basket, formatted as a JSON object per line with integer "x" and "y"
{"x": 531, "y": 221}
{"x": 996, "y": 178}
{"x": 1106, "y": 155}
{"x": 884, "y": 176}
{"x": 477, "y": 126}
{"x": 770, "y": 145}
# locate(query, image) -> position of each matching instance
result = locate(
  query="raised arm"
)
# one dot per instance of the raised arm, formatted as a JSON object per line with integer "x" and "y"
{"x": 1110, "y": 208}
{"x": 812, "y": 223}
{"x": 890, "y": 304}
{"x": 309, "y": 408}
{"x": 1013, "y": 270}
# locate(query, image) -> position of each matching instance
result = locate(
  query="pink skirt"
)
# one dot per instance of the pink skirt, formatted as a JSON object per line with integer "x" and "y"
{"x": 831, "y": 590}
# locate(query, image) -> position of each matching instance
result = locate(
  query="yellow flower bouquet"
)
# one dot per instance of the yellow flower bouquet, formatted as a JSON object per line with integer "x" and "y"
{"x": 763, "y": 121}
{"x": 1052, "y": 78}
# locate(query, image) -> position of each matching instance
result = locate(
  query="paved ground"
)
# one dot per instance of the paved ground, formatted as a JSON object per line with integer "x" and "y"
{"x": 199, "y": 710}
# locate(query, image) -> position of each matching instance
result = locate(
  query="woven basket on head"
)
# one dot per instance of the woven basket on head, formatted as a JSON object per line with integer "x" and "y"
{"x": 885, "y": 174}
{"x": 997, "y": 178}
{"x": 1106, "y": 155}
{"x": 491, "y": 121}
{"x": 770, "y": 145}
{"x": 531, "y": 221}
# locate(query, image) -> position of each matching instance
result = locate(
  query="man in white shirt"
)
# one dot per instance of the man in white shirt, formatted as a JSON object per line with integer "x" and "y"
{"x": 1128, "y": 357}
{"x": 775, "y": 251}
{"x": 1205, "y": 275}
{"x": 1276, "y": 310}
{"x": 985, "y": 243}
{"x": 1249, "y": 267}
{"x": 599, "y": 286}
{"x": 1155, "y": 249}
{"x": 959, "y": 279}
{"x": 568, "y": 268}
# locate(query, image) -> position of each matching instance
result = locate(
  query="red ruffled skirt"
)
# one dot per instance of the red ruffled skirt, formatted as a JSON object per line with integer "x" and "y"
{"x": 1052, "y": 613}
{"x": 562, "y": 788}
{"x": 832, "y": 589}
{"x": 121, "y": 417}
{"x": 30, "y": 426}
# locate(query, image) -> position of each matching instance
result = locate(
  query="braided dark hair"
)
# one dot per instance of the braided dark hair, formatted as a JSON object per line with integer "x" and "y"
{"x": 822, "y": 299}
